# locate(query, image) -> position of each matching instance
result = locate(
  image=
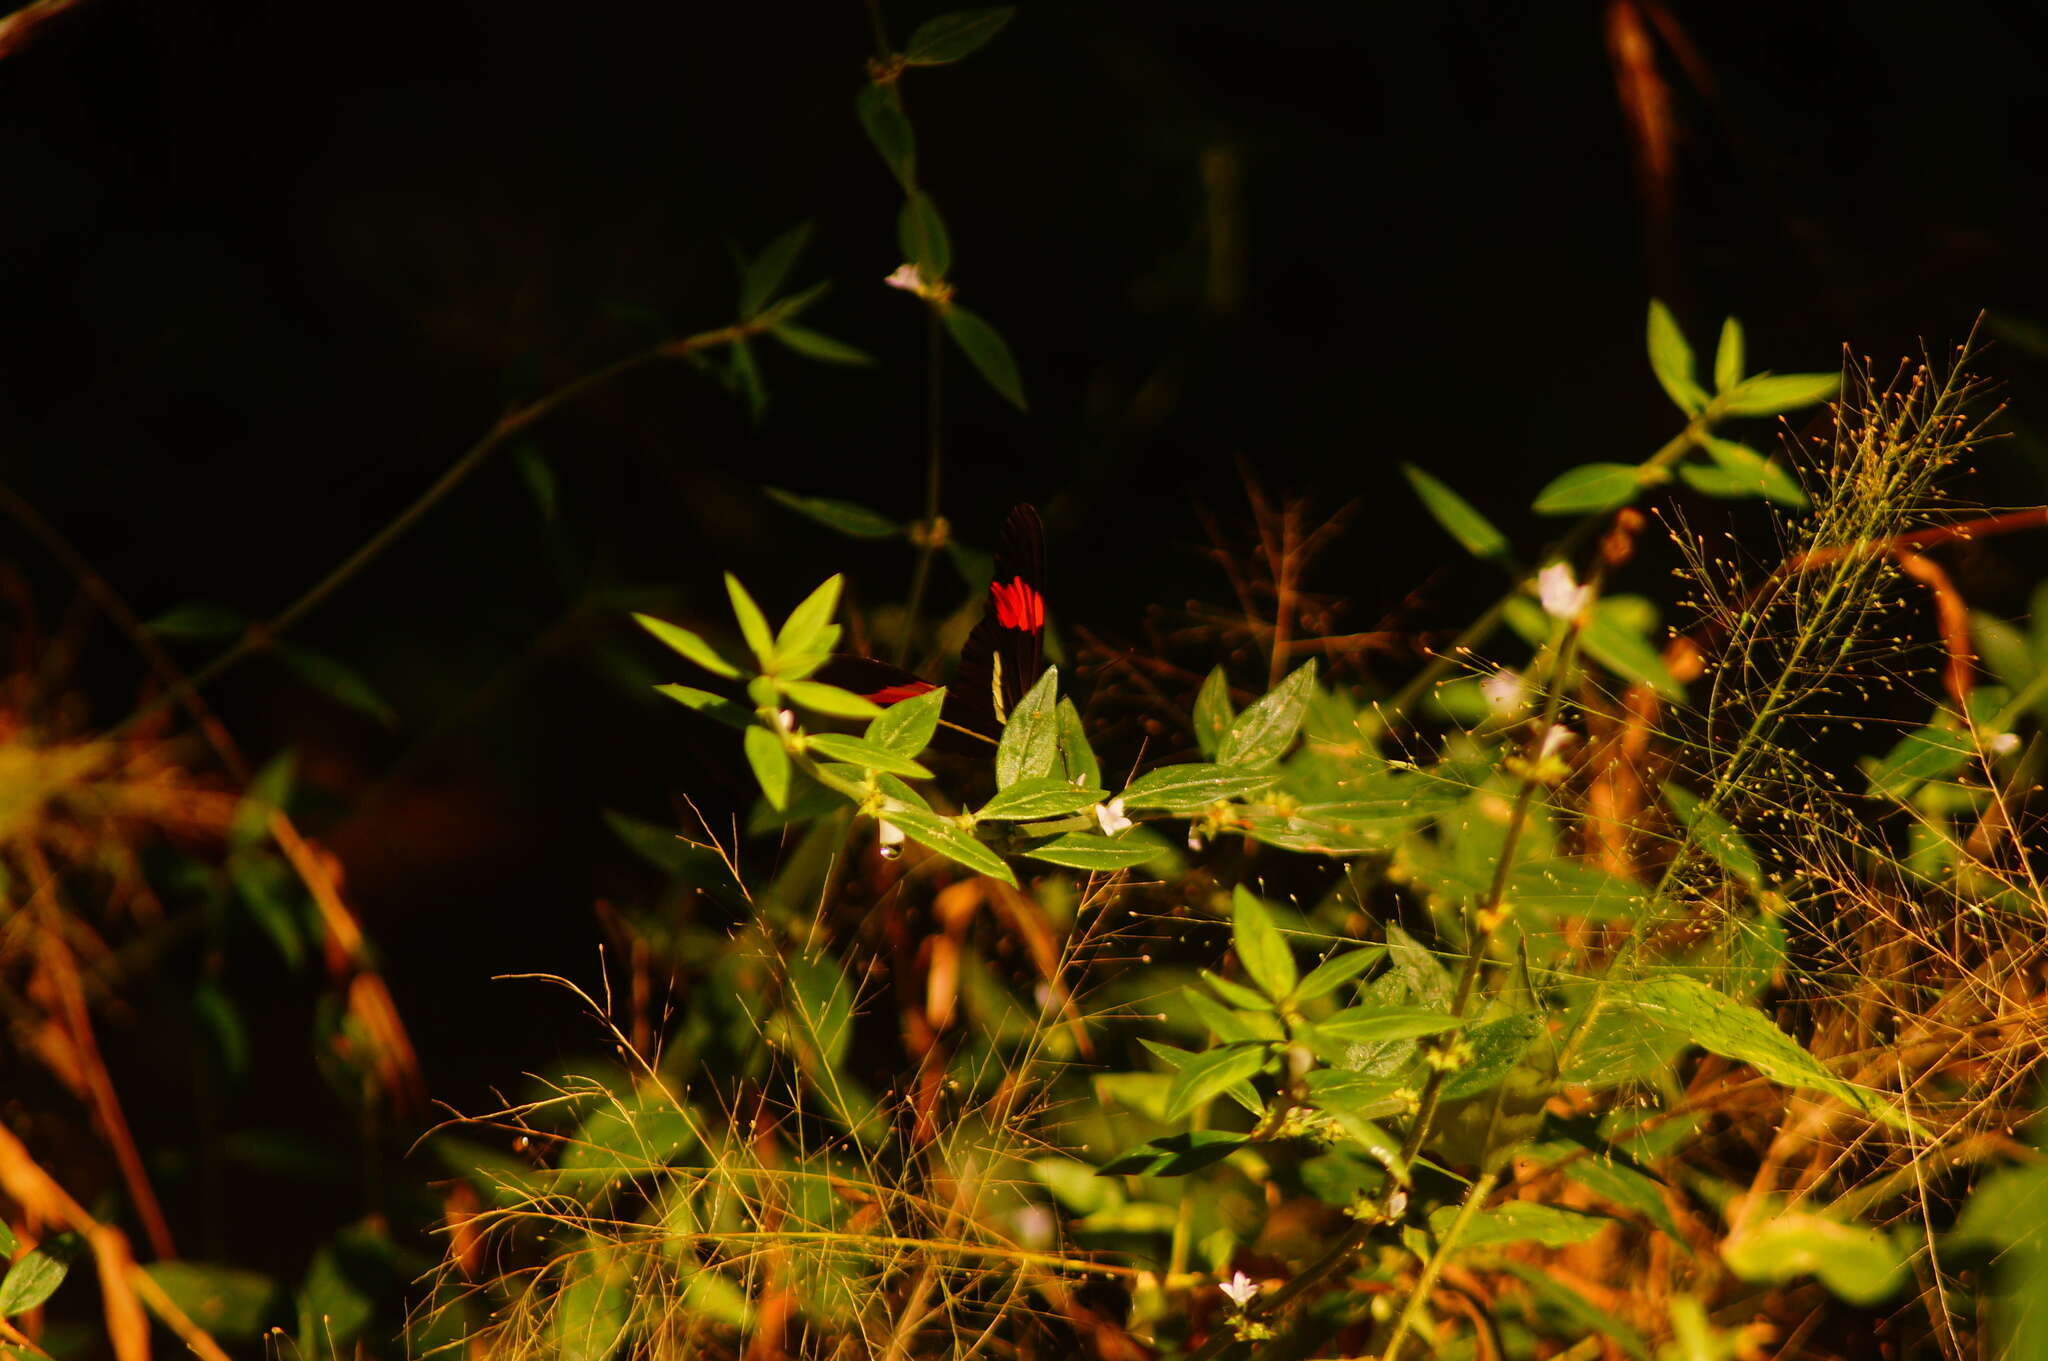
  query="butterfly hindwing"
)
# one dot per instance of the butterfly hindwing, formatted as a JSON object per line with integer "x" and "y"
{"x": 1005, "y": 654}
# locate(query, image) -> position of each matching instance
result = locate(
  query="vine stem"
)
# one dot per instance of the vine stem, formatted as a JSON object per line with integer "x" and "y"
{"x": 259, "y": 636}
{"x": 1481, "y": 1189}
{"x": 934, "y": 465}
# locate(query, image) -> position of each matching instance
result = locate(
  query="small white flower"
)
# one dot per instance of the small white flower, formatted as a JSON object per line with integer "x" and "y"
{"x": 1110, "y": 817}
{"x": 1560, "y": 592}
{"x": 1556, "y": 740}
{"x": 1195, "y": 842}
{"x": 1503, "y": 689}
{"x": 891, "y": 837}
{"x": 906, "y": 278}
{"x": 786, "y": 720}
{"x": 1240, "y": 1288}
{"x": 2004, "y": 744}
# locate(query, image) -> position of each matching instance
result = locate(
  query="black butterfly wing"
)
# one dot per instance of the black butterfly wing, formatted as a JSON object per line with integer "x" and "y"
{"x": 1003, "y": 658}
{"x": 1005, "y": 655}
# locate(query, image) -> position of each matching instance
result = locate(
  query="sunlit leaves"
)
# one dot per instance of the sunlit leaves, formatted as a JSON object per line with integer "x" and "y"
{"x": 1589, "y": 488}
{"x": 1671, "y": 360}
{"x": 1769, "y": 394}
{"x": 1267, "y": 729}
{"x": 1260, "y": 947}
{"x": 906, "y": 727}
{"x": 1031, "y": 738}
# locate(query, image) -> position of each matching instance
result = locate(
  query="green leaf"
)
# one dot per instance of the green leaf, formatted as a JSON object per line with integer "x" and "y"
{"x": 1931, "y": 753}
{"x": 728, "y": 712}
{"x": 1728, "y": 356}
{"x": 1376, "y": 1025}
{"x": 953, "y": 841}
{"x": 988, "y": 352}
{"x": 868, "y": 755}
{"x": 1473, "y": 531}
{"x": 1213, "y": 714}
{"x": 1334, "y": 972}
{"x": 1718, "y": 482}
{"x": 1255, "y": 1023}
{"x": 1518, "y": 1221}
{"x": 829, "y": 699}
{"x": 805, "y": 629}
{"x": 1260, "y": 947}
{"x": 1858, "y": 1263}
{"x": 1768, "y": 394}
{"x": 689, "y": 645}
{"x": 225, "y": 1301}
{"x": 1175, "y": 1155}
{"x": 1031, "y": 737}
{"x": 592, "y": 1312}
{"x": 34, "y": 1278}
{"x": 1671, "y": 360}
{"x": 1610, "y": 641}
{"x": 1077, "y": 760}
{"x": 1089, "y": 851}
{"x": 1715, "y": 835}
{"x": 261, "y": 884}
{"x": 881, "y": 113}
{"x": 1181, "y": 788}
{"x": 921, "y": 232}
{"x": 743, "y": 376}
{"x": 856, "y": 522}
{"x": 1043, "y": 796}
{"x": 949, "y": 37}
{"x": 1580, "y": 1314}
{"x": 1610, "y": 1178}
{"x": 1721, "y": 1025}
{"x": 1075, "y": 1184}
{"x": 1761, "y": 476}
{"x": 338, "y": 682}
{"x": 198, "y": 619}
{"x": 1237, "y": 994}
{"x": 753, "y": 624}
{"x": 539, "y": 477}
{"x": 770, "y": 762}
{"x": 8, "y": 1242}
{"x": 218, "y": 1016}
{"x": 2004, "y": 649}
{"x": 906, "y": 727}
{"x": 819, "y": 346}
{"x": 1589, "y": 488}
{"x": 1265, "y": 731}
{"x": 1206, "y": 1074}
{"x": 768, "y": 270}
{"x": 819, "y": 1006}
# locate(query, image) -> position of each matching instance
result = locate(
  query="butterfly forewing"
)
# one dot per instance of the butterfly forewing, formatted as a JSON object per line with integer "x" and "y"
{"x": 1003, "y": 658}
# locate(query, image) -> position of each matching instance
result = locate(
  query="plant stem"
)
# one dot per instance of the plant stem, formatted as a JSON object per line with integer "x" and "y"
{"x": 1481, "y": 1189}
{"x": 261, "y": 635}
{"x": 934, "y": 464}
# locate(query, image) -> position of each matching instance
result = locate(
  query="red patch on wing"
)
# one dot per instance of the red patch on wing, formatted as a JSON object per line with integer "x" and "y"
{"x": 893, "y": 694}
{"x": 1018, "y": 606}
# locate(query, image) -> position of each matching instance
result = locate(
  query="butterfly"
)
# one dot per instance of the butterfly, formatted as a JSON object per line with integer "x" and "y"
{"x": 1003, "y": 658}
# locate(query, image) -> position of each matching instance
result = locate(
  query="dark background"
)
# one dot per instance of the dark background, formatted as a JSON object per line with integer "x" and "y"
{"x": 269, "y": 269}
